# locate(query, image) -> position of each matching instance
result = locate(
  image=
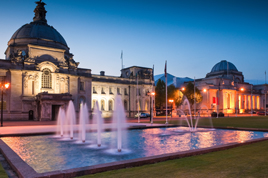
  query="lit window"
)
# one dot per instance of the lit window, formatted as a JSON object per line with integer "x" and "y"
{"x": 110, "y": 105}
{"x": 102, "y": 105}
{"x": 111, "y": 90}
{"x": 46, "y": 79}
{"x": 102, "y": 90}
{"x": 94, "y": 90}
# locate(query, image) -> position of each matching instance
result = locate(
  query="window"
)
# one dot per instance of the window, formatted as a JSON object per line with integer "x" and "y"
{"x": 102, "y": 105}
{"x": 110, "y": 105}
{"x": 111, "y": 90}
{"x": 94, "y": 90}
{"x": 46, "y": 79}
{"x": 82, "y": 86}
{"x": 102, "y": 90}
{"x": 125, "y": 91}
{"x": 125, "y": 104}
{"x": 118, "y": 91}
{"x": 139, "y": 92}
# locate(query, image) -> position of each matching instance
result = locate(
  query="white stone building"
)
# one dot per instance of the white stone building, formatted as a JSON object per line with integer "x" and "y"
{"x": 44, "y": 76}
{"x": 225, "y": 90}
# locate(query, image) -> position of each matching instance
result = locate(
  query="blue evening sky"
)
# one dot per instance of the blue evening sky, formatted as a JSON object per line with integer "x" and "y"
{"x": 192, "y": 35}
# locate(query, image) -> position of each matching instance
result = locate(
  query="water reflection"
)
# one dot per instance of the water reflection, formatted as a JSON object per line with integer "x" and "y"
{"x": 45, "y": 153}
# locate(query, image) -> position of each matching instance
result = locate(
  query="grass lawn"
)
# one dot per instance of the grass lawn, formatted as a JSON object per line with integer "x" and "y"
{"x": 245, "y": 122}
{"x": 245, "y": 161}
{"x": 2, "y": 172}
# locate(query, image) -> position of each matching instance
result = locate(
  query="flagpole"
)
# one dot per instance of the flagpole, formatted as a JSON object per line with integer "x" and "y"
{"x": 194, "y": 101}
{"x": 166, "y": 90}
{"x": 122, "y": 58}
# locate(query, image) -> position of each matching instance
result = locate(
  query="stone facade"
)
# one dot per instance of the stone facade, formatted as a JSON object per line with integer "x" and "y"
{"x": 134, "y": 85}
{"x": 43, "y": 75}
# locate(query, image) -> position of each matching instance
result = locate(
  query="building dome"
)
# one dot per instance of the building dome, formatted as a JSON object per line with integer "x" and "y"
{"x": 223, "y": 66}
{"x": 40, "y": 31}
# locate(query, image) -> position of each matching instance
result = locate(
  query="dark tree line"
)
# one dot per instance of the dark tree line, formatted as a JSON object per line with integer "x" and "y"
{"x": 176, "y": 94}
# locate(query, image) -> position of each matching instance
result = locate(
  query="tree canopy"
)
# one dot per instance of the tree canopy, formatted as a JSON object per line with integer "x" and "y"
{"x": 189, "y": 93}
{"x": 160, "y": 93}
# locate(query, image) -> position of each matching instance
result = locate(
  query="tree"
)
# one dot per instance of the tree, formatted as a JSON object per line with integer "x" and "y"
{"x": 175, "y": 94}
{"x": 160, "y": 94}
{"x": 189, "y": 93}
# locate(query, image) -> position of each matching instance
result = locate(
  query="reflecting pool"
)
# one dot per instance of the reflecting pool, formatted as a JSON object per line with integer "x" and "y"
{"x": 48, "y": 153}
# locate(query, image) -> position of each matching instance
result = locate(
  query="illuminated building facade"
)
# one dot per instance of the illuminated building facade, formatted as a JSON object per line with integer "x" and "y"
{"x": 224, "y": 87}
{"x": 43, "y": 76}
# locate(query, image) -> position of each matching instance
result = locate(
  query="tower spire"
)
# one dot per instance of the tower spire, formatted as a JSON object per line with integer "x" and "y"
{"x": 40, "y": 12}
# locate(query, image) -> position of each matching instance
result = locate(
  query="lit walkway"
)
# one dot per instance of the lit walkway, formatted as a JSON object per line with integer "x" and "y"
{"x": 32, "y": 127}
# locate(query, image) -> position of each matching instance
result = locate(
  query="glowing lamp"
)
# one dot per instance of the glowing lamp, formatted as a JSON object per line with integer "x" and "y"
{"x": 242, "y": 89}
{"x": 153, "y": 93}
{"x": 7, "y": 85}
{"x": 182, "y": 88}
{"x": 171, "y": 101}
{"x": 204, "y": 90}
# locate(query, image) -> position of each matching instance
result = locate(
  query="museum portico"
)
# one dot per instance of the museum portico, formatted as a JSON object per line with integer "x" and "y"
{"x": 225, "y": 90}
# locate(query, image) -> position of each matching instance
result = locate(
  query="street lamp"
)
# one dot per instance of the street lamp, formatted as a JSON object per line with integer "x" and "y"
{"x": 183, "y": 89}
{"x": 3, "y": 87}
{"x": 171, "y": 101}
{"x": 151, "y": 95}
{"x": 205, "y": 91}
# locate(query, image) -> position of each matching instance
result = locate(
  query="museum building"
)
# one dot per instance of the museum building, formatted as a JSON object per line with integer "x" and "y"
{"x": 224, "y": 90}
{"x": 44, "y": 76}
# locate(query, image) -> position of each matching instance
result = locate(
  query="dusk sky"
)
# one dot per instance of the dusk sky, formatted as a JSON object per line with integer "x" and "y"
{"x": 192, "y": 35}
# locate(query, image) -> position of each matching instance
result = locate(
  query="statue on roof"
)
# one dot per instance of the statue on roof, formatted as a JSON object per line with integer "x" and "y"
{"x": 40, "y": 12}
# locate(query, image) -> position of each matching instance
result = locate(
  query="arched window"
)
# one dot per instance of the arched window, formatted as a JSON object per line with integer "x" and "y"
{"x": 102, "y": 105}
{"x": 46, "y": 79}
{"x": 110, "y": 105}
{"x": 125, "y": 104}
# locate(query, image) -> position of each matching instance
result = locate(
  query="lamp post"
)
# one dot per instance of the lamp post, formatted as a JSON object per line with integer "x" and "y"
{"x": 251, "y": 102}
{"x": 3, "y": 86}
{"x": 171, "y": 101}
{"x": 205, "y": 91}
{"x": 151, "y": 95}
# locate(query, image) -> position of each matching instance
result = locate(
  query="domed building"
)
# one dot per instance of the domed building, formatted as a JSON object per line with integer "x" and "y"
{"x": 44, "y": 76}
{"x": 224, "y": 90}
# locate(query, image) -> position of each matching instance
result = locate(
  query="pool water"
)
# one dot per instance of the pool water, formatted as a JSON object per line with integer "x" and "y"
{"x": 48, "y": 153}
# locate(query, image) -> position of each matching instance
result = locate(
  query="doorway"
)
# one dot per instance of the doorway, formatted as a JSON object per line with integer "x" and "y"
{"x": 55, "y": 111}
{"x": 31, "y": 114}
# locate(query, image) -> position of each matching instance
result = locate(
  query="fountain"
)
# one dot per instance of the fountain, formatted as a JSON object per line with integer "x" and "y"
{"x": 70, "y": 119}
{"x": 119, "y": 121}
{"x": 83, "y": 122}
{"x": 98, "y": 122}
{"x": 192, "y": 126}
{"x": 60, "y": 122}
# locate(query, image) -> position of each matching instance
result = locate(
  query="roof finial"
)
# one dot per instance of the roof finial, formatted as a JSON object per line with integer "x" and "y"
{"x": 40, "y": 12}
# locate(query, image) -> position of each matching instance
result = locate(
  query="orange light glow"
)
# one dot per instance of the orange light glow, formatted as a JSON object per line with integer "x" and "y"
{"x": 182, "y": 88}
{"x": 7, "y": 85}
{"x": 242, "y": 89}
{"x": 171, "y": 101}
{"x": 204, "y": 90}
{"x": 153, "y": 93}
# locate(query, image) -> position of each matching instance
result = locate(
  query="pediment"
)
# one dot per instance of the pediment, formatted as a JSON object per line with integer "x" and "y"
{"x": 46, "y": 64}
